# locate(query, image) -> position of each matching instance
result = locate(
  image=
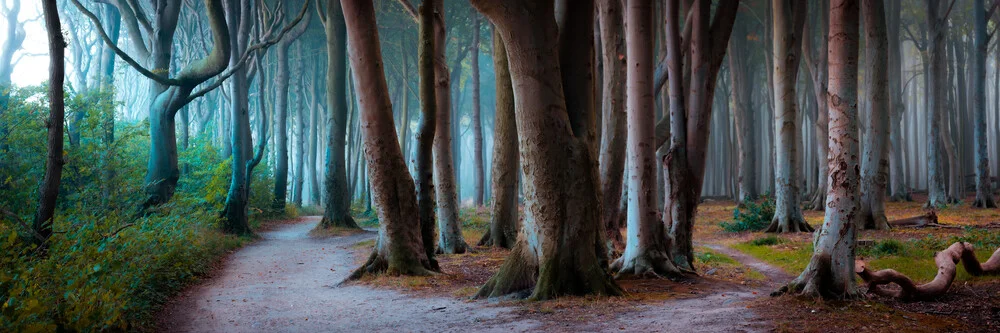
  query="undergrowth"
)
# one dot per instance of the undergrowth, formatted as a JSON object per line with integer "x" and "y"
{"x": 751, "y": 216}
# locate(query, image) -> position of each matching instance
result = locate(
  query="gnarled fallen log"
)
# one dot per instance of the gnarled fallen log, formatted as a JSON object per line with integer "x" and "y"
{"x": 946, "y": 262}
{"x": 927, "y": 220}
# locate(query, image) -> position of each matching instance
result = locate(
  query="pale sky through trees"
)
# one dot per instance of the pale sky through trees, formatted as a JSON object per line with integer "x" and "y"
{"x": 34, "y": 67}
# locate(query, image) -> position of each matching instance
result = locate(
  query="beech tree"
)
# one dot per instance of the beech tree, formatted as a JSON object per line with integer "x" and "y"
{"x": 937, "y": 29}
{"x": 817, "y": 66}
{"x": 984, "y": 193}
{"x": 875, "y": 156}
{"x": 281, "y": 80}
{"x": 613, "y": 136}
{"x": 504, "y": 222}
{"x": 560, "y": 249}
{"x": 830, "y": 272}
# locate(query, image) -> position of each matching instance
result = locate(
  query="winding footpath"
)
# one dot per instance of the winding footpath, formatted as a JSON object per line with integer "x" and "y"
{"x": 285, "y": 283}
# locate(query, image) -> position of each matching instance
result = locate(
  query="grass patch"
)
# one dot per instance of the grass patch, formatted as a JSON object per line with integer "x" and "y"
{"x": 769, "y": 240}
{"x": 724, "y": 267}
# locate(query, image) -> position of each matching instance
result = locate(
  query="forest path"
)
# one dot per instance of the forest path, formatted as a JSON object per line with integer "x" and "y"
{"x": 284, "y": 282}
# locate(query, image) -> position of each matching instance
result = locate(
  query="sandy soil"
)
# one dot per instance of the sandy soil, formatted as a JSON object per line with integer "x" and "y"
{"x": 285, "y": 282}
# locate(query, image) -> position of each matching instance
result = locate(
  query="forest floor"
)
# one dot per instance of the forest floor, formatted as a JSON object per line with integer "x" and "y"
{"x": 287, "y": 282}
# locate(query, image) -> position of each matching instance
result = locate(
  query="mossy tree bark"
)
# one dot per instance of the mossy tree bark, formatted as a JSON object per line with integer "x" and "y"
{"x": 560, "y": 248}
{"x": 399, "y": 248}
{"x": 937, "y": 29}
{"x": 337, "y": 211}
{"x": 875, "y": 156}
{"x": 830, "y": 272}
{"x": 504, "y": 222}
{"x": 477, "y": 123}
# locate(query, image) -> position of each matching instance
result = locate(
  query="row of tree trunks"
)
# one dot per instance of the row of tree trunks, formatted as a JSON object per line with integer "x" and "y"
{"x": 337, "y": 206}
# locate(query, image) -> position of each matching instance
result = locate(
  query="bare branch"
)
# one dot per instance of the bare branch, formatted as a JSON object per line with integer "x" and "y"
{"x": 410, "y": 10}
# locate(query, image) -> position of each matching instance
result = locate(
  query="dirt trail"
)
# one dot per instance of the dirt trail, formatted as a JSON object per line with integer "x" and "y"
{"x": 284, "y": 283}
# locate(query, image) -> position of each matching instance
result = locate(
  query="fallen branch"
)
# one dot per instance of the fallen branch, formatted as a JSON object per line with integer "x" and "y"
{"x": 946, "y": 262}
{"x": 927, "y": 220}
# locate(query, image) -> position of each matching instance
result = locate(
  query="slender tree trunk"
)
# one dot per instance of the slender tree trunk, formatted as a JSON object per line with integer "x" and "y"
{"x": 788, "y": 17}
{"x": 646, "y": 247}
{"x": 560, "y": 249}
{"x": 235, "y": 211}
{"x": 504, "y": 222}
{"x": 612, "y": 154}
{"x": 48, "y": 192}
{"x": 300, "y": 150}
{"x": 423, "y": 173}
{"x": 936, "y": 26}
{"x": 897, "y": 174}
{"x": 818, "y": 73}
{"x": 741, "y": 75}
{"x": 398, "y": 248}
{"x": 450, "y": 238}
{"x": 338, "y": 200}
{"x": 830, "y": 272}
{"x": 984, "y": 194}
{"x": 875, "y": 156}
{"x": 313, "y": 154}
{"x": 477, "y": 123}
{"x": 281, "y": 79}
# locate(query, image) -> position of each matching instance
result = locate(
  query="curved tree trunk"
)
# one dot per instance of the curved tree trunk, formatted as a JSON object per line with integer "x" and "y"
{"x": 787, "y": 36}
{"x": 504, "y": 224}
{"x": 875, "y": 156}
{"x": 281, "y": 115}
{"x": 337, "y": 211}
{"x": 399, "y": 248}
{"x": 423, "y": 171}
{"x": 450, "y": 238}
{"x": 560, "y": 250}
{"x": 612, "y": 154}
{"x": 830, "y": 272}
{"x": 48, "y": 192}
{"x": 984, "y": 194}
{"x": 646, "y": 247}
{"x": 235, "y": 213}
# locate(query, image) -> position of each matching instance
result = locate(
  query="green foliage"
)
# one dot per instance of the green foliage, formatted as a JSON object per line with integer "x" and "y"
{"x": 882, "y": 248}
{"x": 770, "y": 240}
{"x": 106, "y": 268}
{"x": 753, "y": 216}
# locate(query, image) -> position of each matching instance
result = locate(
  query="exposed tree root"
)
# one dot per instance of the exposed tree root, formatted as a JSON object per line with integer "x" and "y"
{"x": 650, "y": 264}
{"x": 817, "y": 281}
{"x": 984, "y": 202}
{"x": 516, "y": 276}
{"x": 946, "y": 262}
{"x": 383, "y": 264}
{"x": 794, "y": 224}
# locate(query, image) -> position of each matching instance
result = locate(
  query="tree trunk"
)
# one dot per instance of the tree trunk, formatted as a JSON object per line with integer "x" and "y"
{"x": 450, "y": 238}
{"x": 399, "y": 249}
{"x": 897, "y": 162}
{"x": 313, "y": 153}
{"x": 645, "y": 250}
{"x": 984, "y": 194}
{"x": 875, "y": 156}
{"x": 613, "y": 137}
{"x": 281, "y": 120}
{"x": 830, "y": 272}
{"x": 818, "y": 72}
{"x": 560, "y": 248}
{"x": 423, "y": 173}
{"x": 48, "y": 192}
{"x": 337, "y": 211}
{"x": 504, "y": 224}
{"x": 300, "y": 150}
{"x": 741, "y": 75}
{"x": 477, "y": 123}
{"x": 787, "y": 36}
{"x": 935, "y": 87}
{"x": 235, "y": 212}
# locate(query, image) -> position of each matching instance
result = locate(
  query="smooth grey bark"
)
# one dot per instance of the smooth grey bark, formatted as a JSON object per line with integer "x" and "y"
{"x": 423, "y": 170}
{"x": 898, "y": 174}
{"x": 235, "y": 219}
{"x": 313, "y": 153}
{"x": 741, "y": 72}
{"x": 298, "y": 179}
{"x": 450, "y": 238}
{"x": 818, "y": 72}
{"x": 337, "y": 206}
{"x": 613, "y": 136}
{"x": 937, "y": 28}
{"x": 477, "y": 123}
{"x": 48, "y": 191}
{"x": 830, "y": 273}
{"x": 984, "y": 194}
{"x": 504, "y": 224}
{"x": 875, "y": 156}
{"x": 281, "y": 79}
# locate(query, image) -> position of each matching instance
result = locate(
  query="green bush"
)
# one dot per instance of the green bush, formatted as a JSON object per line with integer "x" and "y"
{"x": 752, "y": 216}
{"x": 770, "y": 240}
{"x": 882, "y": 248}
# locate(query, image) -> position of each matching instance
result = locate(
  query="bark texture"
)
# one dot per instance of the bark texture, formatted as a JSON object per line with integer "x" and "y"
{"x": 613, "y": 136}
{"x": 337, "y": 205}
{"x": 984, "y": 194}
{"x": 423, "y": 171}
{"x": 48, "y": 191}
{"x": 450, "y": 238}
{"x": 936, "y": 78}
{"x": 477, "y": 123}
{"x": 504, "y": 223}
{"x": 875, "y": 157}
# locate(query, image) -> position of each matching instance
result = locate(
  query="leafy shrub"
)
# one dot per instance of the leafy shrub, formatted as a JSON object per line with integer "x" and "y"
{"x": 882, "y": 248}
{"x": 753, "y": 216}
{"x": 770, "y": 240}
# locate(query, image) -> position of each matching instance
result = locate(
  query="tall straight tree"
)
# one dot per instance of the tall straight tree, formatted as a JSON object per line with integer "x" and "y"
{"x": 936, "y": 80}
{"x": 789, "y": 16}
{"x": 560, "y": 248}
{"x": 898, "y": 187}
{"x": 477, "y": 123}
{"x": 741, "y": 72}
{"x": 817, "y": 67}
{"x": 984, "y": 194}
{"x": 875, "y": 156}
{"x": 398, "y": 248}
{"x": 503, "y": 218}
{"x": 423, "y": 172}
{"x": 449, "y": 227}
{"x": 281, "y": 79}
{"x": 613, "y": 136}
{"x": 235, "y": 211}
{"x": 338, "y": 201}
{"x": 48, "y": 192}
{"x": 646, "y": 247}
{"x": 830, "y": 272}
{"x": 690, "y": 112}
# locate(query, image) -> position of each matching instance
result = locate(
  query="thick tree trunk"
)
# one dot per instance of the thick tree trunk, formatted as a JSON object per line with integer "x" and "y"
{"x": 477, "y": 123}
{"x": 875, "y": 156}
{"x": 337, "y": 211}
{"x": 399, "y": 248}
{"x": 787, "y": 36}
{"x": 423, "y": 173}
{"x": 48, "y": 191}
{"x": 504, "y": 224}
{"x": 984, "y": 194}
{"x": 450, "y": 238}
{"x": 612, "y": 154}
{"x": 936, "y": 195}
{"x": 830, "y": 272}
{"x": 560, "y": 248}
{"x": 646, "y": 247}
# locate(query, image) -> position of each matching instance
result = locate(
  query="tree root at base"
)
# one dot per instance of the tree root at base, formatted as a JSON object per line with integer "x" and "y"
{"x": 946, "y": 262}
{"x": 651, "y": 264}
{"x": 795, "y": 225}
{"x": 378, "y": 265}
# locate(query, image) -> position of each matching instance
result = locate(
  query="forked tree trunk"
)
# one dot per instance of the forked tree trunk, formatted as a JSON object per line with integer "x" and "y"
{"x": 560, "y": 250}
{"x": 504, "y": 222}
{"x": 423, "y": 171}
{"x": 612, "y": 154}
{"x": 399, "y": 248}
{"x": 48, "y": 192}
{"x": 789, "y": 16}
{"x": 830, "y": 272}
{"x": 450, "y": 238}
{"x": 337, "y": 211}
{"x": 646, "y": 246}
{"x": 477, "y": 123}
{"x": 875, "y": 157}
{"x": 984, "y": 194}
